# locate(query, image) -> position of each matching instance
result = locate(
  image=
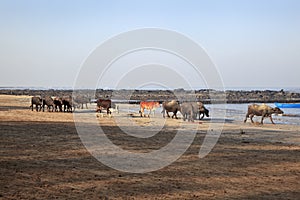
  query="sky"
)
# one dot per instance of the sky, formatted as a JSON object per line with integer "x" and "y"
{"x": 253, "y": 43}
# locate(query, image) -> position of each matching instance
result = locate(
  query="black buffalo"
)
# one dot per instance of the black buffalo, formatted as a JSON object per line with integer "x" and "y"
{"x": 68, "y": 104}
{"x": 38, "y": 102}
{"x": 49, "y": 102}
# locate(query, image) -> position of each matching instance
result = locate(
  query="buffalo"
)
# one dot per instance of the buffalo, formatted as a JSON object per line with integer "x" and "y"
{"x": 201, "y": 110}
{"x": 48, "y": 101}
{"x": 170, "y": 106}
{"x": 104, "y": 104}
{"x": 58, "y": 104}
{"x": 38, "y": 102}
{"x": 68, "y": 104}
{"x": 263, "y": 111}
{"x": 188, "y": 110}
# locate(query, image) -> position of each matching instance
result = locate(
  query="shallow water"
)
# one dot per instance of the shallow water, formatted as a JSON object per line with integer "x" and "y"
{"x": 234, "y": 112}
{"x": 238, "y": 112}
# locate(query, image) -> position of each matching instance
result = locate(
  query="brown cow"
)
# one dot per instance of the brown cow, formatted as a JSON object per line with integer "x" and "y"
{"x": 149, "y": 105}
{"x": 261, "y": 110}
{"x": 104, "y": 104}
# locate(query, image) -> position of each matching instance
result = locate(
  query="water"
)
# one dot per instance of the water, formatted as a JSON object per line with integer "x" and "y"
{"x": 237, "y": 112}
{"x": 234, "y": 112}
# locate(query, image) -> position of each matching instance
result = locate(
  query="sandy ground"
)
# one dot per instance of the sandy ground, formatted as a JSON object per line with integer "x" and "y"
{"x": 42, "y": 157}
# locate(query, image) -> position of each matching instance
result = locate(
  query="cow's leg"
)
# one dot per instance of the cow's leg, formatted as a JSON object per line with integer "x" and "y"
{"x": 201, "y": 115}
{"x": 149, "y": 112}
{"x": 247, "y": 115}
{"x": 167, "y": 114}
{"x": 163, "y": 112}
{"x": 271, "y": 119}
{"x": 175, "y": 114}
{"x": 142, "y": 112}
{"x": 251, "y": 118}
{"x": 191, "y": 117}
{"x": 262, "y": 119}
{"x": 198, "y": 114}
{"x": 108, "y": 111}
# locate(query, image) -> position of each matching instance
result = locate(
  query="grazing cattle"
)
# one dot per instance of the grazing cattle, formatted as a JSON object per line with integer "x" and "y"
{"x": 38, "y": 102}
{"x": 149, "y": 105}
{"x": 170, "y": 106}
{"x": 68, "y": 103}
{"x": 48, "y": 101}
{"x": 104, "y": 104}
{"x": 57, "y": 104}
{"x": 188, "y": 110}
{"x": 263, "y": 111}
{"x": 201, "y": 112}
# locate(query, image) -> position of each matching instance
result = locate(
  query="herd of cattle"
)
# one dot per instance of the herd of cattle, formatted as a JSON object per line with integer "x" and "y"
{"x": 58, "y": 104}
{"x": 189, "y": 110}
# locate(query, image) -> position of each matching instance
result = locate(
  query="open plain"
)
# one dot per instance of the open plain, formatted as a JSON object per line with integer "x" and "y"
{"x": 42, "y": 157}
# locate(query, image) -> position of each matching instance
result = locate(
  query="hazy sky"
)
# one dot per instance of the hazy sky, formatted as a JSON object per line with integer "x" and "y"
{"x": 253, "y": 43}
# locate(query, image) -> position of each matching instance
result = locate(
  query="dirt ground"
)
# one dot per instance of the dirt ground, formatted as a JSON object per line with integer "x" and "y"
{"x": 42, "y": 157}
